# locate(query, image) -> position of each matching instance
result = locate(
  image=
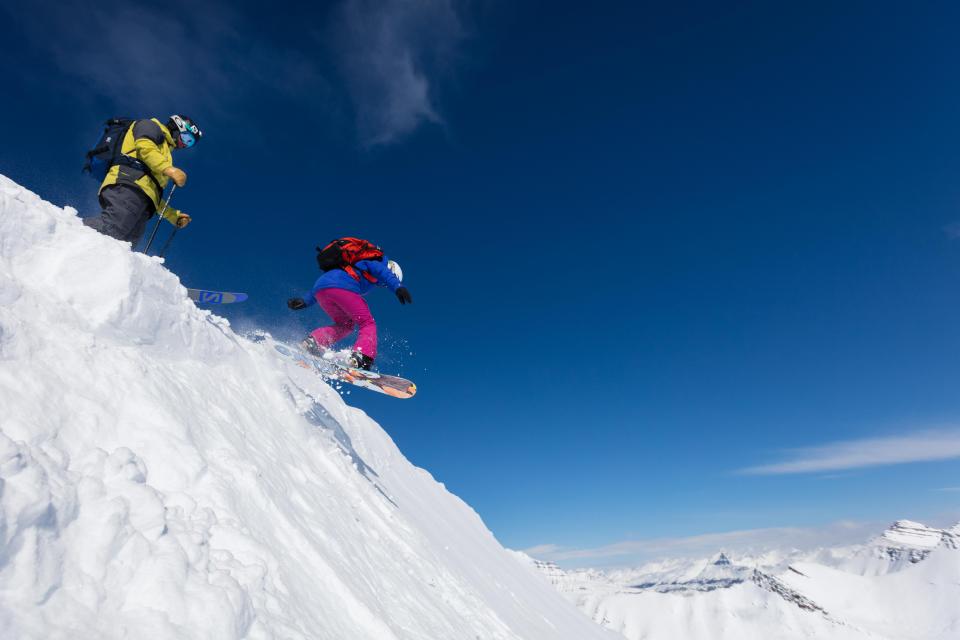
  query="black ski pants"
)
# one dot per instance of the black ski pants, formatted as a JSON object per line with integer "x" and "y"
{"x": 126, "y": 211}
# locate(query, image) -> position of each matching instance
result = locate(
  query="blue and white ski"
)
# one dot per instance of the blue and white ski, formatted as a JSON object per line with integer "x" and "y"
{"x": 215, "y": 297}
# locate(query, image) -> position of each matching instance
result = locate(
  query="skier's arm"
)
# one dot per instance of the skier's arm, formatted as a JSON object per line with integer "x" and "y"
{"x": 298, "y": 304}
{"x": 379, "y": 270}
{"x": 176, "y": 217}
{"x": 311, "y": 298}
{"x": 147, "y": 138}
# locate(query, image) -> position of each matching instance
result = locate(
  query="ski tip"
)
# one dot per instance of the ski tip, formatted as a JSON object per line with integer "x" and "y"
{"x": 403, "y": 394}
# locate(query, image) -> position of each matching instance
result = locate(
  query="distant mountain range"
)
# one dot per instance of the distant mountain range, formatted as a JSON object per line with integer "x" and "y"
{"x": 902, "y": 585}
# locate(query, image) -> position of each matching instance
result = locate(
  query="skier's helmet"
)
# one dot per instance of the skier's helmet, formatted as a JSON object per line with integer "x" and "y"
{"x": 185, "y": 131}
{"x": 395, "y": 269}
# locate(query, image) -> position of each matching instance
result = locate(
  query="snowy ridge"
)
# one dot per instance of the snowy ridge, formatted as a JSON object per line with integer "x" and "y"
{"x": 906, "y": 533}
{"x": 163, "y": 477}
{"x": 769, "y": 583}
{"x": 902, "y": 585}
{"x": 721, "y": 573}
{"x": 902, "y": 544}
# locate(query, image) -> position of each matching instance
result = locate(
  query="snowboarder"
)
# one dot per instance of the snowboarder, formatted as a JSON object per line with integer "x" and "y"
{"x": 351, "y": 268}
{"x": 136, "y": 177}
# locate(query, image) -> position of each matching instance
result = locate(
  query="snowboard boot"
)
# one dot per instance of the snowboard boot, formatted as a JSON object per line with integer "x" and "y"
{"x": 360, "y": 360}
{"x": 310, "y": 345}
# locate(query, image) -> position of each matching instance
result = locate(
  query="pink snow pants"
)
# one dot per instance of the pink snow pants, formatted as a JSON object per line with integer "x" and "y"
{"x": 347, "y": 310}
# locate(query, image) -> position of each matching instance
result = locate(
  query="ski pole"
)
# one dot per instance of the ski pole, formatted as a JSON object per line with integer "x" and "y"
{"x": 156, "y": 227}
{"x": 167, "y": 243}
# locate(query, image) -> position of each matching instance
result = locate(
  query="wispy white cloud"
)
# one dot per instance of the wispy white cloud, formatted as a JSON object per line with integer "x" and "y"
{"x": 141, "y": 55}
{"x": 919, "y": 446}
{"x": 392, "y": 53}
{"x": 212, "y": 56}
{"x": 632, "y": 552}
{"x": 542, "y": 550}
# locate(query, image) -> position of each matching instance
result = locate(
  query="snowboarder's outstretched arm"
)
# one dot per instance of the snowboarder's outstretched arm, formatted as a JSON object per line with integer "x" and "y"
{"x": 379, "y": 270}
{"x": 296, "y": 304}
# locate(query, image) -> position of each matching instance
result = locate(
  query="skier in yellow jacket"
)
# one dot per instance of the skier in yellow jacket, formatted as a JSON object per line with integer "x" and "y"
{"x": 131, "y": 192}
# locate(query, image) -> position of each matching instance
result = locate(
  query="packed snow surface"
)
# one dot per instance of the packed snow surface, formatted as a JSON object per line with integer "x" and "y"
{"x": 163, "y": 477}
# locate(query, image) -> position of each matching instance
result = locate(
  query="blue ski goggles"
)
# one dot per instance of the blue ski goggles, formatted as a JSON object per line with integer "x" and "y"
{"x": 189, "y": 132}
{"x": 187, "y": 140}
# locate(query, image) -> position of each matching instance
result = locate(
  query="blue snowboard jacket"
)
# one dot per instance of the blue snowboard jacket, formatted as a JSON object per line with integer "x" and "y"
{"x": 340, "y": 279}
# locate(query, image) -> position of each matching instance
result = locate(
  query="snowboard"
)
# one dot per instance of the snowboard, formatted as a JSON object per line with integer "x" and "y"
{"x": 215, "y": 297}
{"x": 393, "y": 386}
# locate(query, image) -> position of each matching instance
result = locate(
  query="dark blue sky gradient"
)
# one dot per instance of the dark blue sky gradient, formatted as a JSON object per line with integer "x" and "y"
{"x": 648, "y": 245}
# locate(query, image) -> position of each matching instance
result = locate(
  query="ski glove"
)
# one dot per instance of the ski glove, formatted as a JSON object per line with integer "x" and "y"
{"x": 177, "y": 175}
{"x": 404, "y": 296}
{"x": 296, "y": 304}
{"x": 182, "y": 220}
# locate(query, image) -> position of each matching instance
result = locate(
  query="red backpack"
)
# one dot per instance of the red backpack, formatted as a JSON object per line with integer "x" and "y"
{"x": 343, "y": 253}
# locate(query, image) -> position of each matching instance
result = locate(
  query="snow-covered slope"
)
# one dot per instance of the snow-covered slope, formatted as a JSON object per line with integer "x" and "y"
{"x": 163, "y": 477}
{"x": 920, "y": 602}
{"x": 902, "y": 585}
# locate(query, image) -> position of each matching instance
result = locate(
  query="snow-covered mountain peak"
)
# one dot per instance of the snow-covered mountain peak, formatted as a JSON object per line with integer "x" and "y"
{"x": 909, "y": 534}
{"x": 902, "y": 544}
{"x": 888, "y": 589}
{"x": 719, "y": 574}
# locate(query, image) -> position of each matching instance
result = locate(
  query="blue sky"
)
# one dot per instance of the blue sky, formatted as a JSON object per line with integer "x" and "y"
{"x": 676, "y": 270}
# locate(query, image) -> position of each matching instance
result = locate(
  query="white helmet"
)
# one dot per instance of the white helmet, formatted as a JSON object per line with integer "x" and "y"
{"x": 395, "y": 269}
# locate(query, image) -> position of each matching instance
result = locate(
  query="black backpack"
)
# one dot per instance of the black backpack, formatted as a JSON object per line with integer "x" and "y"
{"x": 343, "y": 253}
{"x": 107, "y": 152}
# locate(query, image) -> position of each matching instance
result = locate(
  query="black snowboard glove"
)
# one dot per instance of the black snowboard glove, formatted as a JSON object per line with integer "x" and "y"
{"x": 296, "y": 304}
{"x": 404, "y": 296}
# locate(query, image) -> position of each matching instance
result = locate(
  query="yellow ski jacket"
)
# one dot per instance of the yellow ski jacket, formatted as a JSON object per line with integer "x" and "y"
{"x": 150, "y": 142}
